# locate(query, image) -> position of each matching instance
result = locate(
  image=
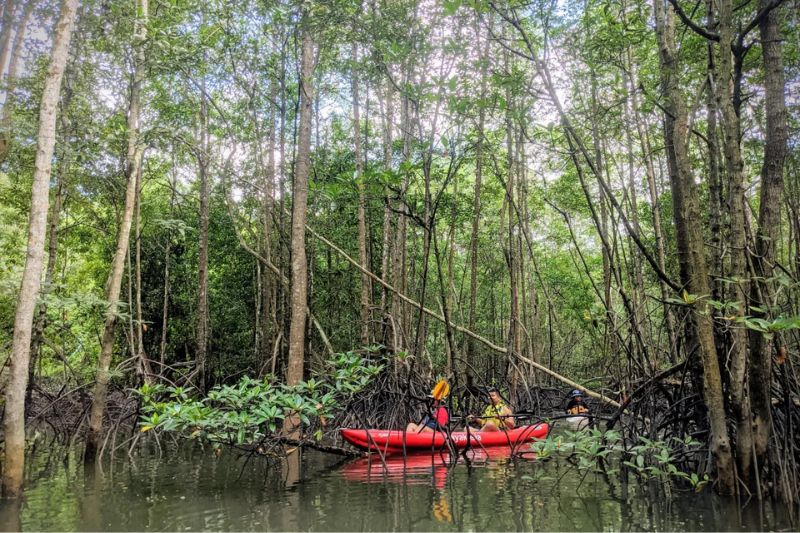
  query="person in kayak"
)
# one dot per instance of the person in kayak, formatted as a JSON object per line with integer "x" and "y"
{"x": 436, "y": 420}
{"x": 497, "y": 416}
{"x": 578, "y": 411}
{"x": 576, "y": 405}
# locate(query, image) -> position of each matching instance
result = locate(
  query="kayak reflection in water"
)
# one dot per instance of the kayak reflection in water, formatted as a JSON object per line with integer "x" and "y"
{"x": 497, "y": 416}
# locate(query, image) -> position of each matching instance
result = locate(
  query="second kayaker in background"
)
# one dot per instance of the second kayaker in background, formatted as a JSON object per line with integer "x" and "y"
{"x": 578, "y": 410}
{"x": 497, "y": 416}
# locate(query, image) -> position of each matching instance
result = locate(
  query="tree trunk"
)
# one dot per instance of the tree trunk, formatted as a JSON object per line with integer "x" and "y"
{"x": 201, "y": 357}
{"x": 134, "y": 160}
{"x": 769, "y": 218}
{"x": 283, "y": 252}
{"x": 610, "y": 345}
{"x": 388, "y": 120}
{"x": 144, "y": 363}
{"x": 514, "y": 337}
{"x": 686, "y": 213}
{"x": 6, "y": 33}
{"x": 65, "y": 159}
{"x": 52, "y": 250}
{"x": 658, "y": 233}
{"x": 294, "y": 373}
{"x": 737, "y": 239}
{"x": 167, "y": 251}
{"x": 14, "y": 417}
{"x": 366, "y": 288}
{"x": 268, "y": 287}
{"x": 469, "y": 351}
{"x": 11, "y": 81}
{"x": 399, "y": 277}
{"x": 449, "y": 293}
{"x": 715, "y": 186}
{"x": 17, "y": 48}
{"x": 636, "y": 275}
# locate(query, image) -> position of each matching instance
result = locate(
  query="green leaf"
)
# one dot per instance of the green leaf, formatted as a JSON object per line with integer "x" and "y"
{"x": 450, "y": 6}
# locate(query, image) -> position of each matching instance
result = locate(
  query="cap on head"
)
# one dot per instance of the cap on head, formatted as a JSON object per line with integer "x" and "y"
{"x": 575, "y": 393}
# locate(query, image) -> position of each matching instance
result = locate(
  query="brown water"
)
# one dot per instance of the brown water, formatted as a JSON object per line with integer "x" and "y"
{"x": 187, "y": 488}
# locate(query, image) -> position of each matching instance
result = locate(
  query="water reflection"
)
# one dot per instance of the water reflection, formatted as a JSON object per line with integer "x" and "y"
{"x": 188, "y": 488}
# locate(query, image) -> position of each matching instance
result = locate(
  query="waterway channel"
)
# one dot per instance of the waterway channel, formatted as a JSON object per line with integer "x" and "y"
{"x": 189, "y": 488}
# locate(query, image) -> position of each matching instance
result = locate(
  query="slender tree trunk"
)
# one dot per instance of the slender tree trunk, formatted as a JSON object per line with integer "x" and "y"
{"x": 131, "y": 335}
{"x": 11, "y": 81}
{"x": 610, "y": 345}
{"x": 449, "y": 293}
{"x": 476, "y": 209}
{"x": 715, "y": 188}
{"x": 652, "y": 189}
{"x": 14, "y": 416}
{"x": 283, "y": 252}
{"x": 399, "y": 247}
{"x": 388, "y": 120}
{"x": 444, "y": 289}
{"x": 427, "y": 235}
{"x": 737, "y": 239}
{"x": 134, "y": 160}
{"x": 52, "y": 249}
{"x": 366, "y": 288}
{"x": 514, "y": 337}
{"x": 637, "y": 278}
{"x": 201, "y": 357}
{"x": 297, "y": 329}
{"x": 165, "y": 305}
{"x": 769, "y": 218}
{"x": 689, "y": 235}
{"x": 268, "y": 287}
{"x": 144, "y": 363}
{"x": 16, "y": 47}
{"x": 6, "y": 33}
{"x": 65, "y": 160}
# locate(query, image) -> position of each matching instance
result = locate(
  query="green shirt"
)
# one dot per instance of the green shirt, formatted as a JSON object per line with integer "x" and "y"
{"x": 492, "y": 414}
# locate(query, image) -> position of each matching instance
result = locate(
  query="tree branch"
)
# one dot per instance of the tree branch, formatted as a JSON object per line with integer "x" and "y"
{"x": 691, "y": 24}
{"x": 460, "y": 329}
{"x": 759, "y": 16}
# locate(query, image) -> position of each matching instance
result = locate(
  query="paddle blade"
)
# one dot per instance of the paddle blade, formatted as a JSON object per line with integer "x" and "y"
{"x": 441, "y": 390}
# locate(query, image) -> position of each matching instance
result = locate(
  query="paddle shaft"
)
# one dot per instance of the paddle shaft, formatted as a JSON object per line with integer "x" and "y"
{"x": 530, "y": 415}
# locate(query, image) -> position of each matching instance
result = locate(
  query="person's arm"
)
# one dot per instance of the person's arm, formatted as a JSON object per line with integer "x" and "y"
{"x": 508, "y": 422}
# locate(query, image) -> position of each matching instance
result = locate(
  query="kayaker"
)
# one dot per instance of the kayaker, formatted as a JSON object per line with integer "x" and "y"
{"x": 436, "y": 420}
{"x": 497, "y": 416}
{"x": 577, "y": 409}
{"x": 576, "y": 405}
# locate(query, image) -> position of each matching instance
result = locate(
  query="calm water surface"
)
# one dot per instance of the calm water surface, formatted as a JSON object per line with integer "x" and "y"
{"x": 188, "y": 488}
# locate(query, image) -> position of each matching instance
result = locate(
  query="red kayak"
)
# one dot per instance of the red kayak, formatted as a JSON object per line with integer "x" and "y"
{"x": 391, "y": 440}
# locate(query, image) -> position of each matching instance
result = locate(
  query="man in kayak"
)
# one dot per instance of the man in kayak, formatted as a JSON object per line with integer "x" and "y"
{"x": 576, "y": 405}
{"x": 436, "y": 420}
{"x": 577, "y": 408}
{"x": 497, "y": 416}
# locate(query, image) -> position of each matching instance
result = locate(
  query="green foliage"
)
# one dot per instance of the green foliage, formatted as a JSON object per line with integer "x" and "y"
{"x": 604, "y": 451}
{"x": 729, "y": 312}
{"x": 432, "y": 60}
{"x": 252, "y": 409}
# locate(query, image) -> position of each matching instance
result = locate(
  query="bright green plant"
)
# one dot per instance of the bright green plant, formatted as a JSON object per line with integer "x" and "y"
{"x": 594, "y": 450}
{"x": 252, "y": 409}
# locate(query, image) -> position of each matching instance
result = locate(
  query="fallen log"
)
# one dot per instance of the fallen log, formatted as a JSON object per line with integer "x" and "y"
{"x": 460, "y": 329}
